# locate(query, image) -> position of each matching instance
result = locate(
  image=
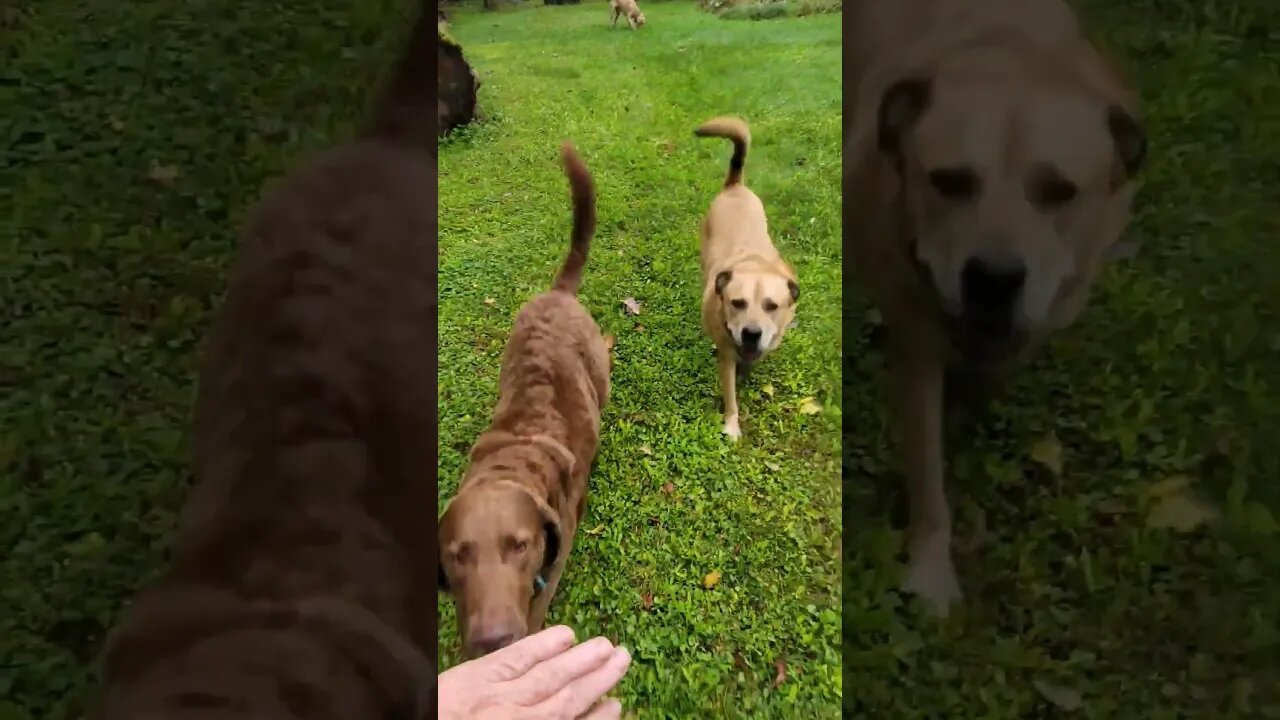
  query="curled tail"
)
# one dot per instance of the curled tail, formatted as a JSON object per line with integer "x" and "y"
{"x": 736, "y": 130}
{"x": 583, "y": 191}
{"x": 404, "y": 106}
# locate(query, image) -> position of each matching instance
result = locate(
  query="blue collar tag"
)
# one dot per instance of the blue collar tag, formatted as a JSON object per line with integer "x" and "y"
{"x": 539, "y": 584}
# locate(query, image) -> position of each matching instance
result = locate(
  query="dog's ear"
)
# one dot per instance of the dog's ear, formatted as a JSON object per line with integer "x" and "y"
{"x": 900, "y": 106}
{"x": 795, "y": 290}
{"x": 1130, "y": 143}
{"x": 551, "y": 551}
{"x": 722, "y": 278}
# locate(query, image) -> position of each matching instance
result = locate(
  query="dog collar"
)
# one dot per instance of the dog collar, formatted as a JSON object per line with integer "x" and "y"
{"x": 539, "y": 584}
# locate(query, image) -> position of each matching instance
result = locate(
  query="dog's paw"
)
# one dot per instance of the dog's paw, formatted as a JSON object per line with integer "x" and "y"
{"x": 731, "y": 428}
{"x": 932, "y": 577}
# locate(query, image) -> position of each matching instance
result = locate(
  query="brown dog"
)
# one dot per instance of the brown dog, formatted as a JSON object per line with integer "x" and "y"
{"x": 302, "y": 583}
{"x": 988, "y": 172}
{"x": 749, "y": 292}
{"x": 628, "y": 9}
{"x": 505, "y": 537}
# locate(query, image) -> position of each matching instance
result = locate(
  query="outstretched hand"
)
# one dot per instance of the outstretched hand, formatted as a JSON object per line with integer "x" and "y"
{"x": 546, "y": 675}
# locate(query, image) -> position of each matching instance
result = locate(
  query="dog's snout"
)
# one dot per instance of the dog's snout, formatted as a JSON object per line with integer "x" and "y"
{"x": 991, "y": 285}
{"x": 751, "y": 337}
{"x": 488, "y": 642}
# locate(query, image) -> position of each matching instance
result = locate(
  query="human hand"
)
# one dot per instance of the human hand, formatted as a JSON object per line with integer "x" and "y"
{"x": 545, "y": 675}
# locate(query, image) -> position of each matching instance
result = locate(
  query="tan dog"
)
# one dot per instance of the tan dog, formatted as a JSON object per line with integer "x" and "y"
{"x": 628, "y": 9}
{"x": 302, "y": 578}
{"x": 506, "y": 536}
{"x": 749, "y": 292}
{"x": 988, "y": 173}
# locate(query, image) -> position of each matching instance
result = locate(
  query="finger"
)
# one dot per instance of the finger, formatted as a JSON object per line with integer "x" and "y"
{"x": 520, "y": 657}
{"x": 609, "y": 709}
{"x": 579, "y": 695}
{"x": 550, "y": 677}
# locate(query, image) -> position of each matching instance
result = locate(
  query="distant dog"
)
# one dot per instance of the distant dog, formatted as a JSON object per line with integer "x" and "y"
{"x": 988, "y": 172}
{"x": 749, "y": 292}
{"x": 301, "y": 578}
{"x": 629, "y": 9}
{"x": 506, "y": 536}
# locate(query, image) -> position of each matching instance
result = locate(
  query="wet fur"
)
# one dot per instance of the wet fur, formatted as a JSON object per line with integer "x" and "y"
{"x": 302, "y": 584}
{"x": 553, "y": 385}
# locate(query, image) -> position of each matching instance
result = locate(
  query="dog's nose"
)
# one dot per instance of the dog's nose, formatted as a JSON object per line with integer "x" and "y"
{"x": 489, "y": 642}
{"x": 991, "y": 285}
{"x": 750, "y": 337}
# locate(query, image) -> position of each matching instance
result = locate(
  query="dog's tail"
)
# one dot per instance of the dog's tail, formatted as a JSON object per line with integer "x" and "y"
{"x": 736, "y": 130}
{"x": 403, "y": 110}
{"x": 582, "y": 188}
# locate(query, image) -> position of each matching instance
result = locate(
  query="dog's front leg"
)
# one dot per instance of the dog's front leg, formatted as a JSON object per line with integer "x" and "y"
{"x": 729, "y": 391}
{"x": 918, "y": 386}
{"x": 632, "y": 22}
{"x": 614, "y": 24}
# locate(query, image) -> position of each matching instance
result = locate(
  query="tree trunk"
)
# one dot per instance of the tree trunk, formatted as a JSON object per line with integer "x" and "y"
{"x": 456, "y": 86}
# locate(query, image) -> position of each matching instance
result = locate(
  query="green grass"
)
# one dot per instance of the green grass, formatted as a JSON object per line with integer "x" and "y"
{"x": 1173, "y": 371}
{"x": 764, "y": 513}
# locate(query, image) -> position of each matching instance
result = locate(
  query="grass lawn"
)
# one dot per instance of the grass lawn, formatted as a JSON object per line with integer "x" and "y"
{"x": 671, "y": 499}
{"x": 1174, "y": 372}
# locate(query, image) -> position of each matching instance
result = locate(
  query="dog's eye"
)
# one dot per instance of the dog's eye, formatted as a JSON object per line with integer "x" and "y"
{"x": 740, "y": 304}
{"x": 770, "y": 306}
{"x": 1055, "y": 192}
{"x": 520, "y": 546}
{"x": 957, "y": 184}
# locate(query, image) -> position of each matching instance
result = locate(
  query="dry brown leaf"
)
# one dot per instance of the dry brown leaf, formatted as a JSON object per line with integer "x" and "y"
{"x": 781, "y": 666}
{"x": 767, "y": 390}
{"x": 489, "y": 301}
{"x": 668, "y": 488}
{"x": 163, "y": 173}
{"x": 646, "y": 450}
{"x": 772, "y": 465}
{"x": 809, "y": 406}
{"x": 1180, "y": 511}
{"x": 638, "y": 328}
{"x": 646, "y": 600}
{"x": 609, "y": 340}
{"x": 740, "y": 662}
{"x": 1048, "y": 452}
{"x": 595, "y": 530}
{"x": 711, "y": 580}
{"x": 632, "y": 306}
{"x": 1063, "y": 697}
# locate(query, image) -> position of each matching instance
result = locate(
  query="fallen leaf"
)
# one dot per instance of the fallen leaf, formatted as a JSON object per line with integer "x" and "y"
{"x": 1171, "y": 486}
{"x": 740, "y": 662}
{"x": 595, "y": 530}
{"x": 638, "y": 328}
{"x": 668, "y": 488}
{"x": 1048, "y": 452}
{"x": 163, "y": 173}
{"x": 1063, "y": 697}
{"x": 489, "y": 301}
{"x": 767, "y": 390}
{"x": 781, "y": 666}
{"x": 809, "y": 406}
{"x": 711, "y": 580}
{"x": 646, "y": 600}
{"x": 645, "y": 449}
{"x": 609, "y": 340}
{"x": 632, "y": 306}
{"x": 1176, "y": 506}
{"x": 772, "y": 465}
